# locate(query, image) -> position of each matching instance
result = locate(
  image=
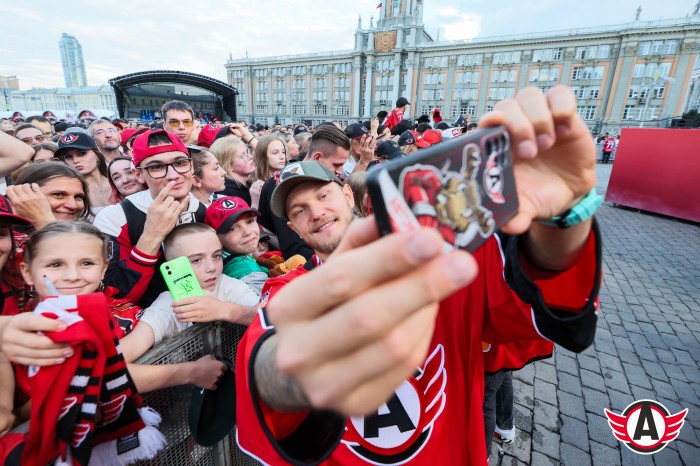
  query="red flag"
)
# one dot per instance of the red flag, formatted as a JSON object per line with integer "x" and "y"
{"x": 379, "y": 6}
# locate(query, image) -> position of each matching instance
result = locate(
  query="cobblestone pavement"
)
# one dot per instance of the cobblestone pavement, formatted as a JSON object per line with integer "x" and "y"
{"x": 646, "y": 346}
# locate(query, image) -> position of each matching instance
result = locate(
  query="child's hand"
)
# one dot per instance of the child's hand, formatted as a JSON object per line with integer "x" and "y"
{"x": 22, "y": 344}
{"x": 7, "y": 420}
{"x": 206, "y": 372}
{"x": 199, "y": 309}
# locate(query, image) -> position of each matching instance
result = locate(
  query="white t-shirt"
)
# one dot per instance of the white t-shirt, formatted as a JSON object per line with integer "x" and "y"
{"x": 161, "y": 318}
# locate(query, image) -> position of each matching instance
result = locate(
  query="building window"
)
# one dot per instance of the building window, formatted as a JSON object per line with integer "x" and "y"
{"x": 603, "y": 51}
{"x": 656, "y": 47}
{"x": 598, "y": 72}
{"x": 653, "y": 112}
{"x": 590, "y": 112}
{"x": 319, "y": 109}
{"x": 670, "y": 47}
{"x": 341, "y": 110}
{"x": 638, "y": 71}
{"x": 261, "y": 108}
{"x": 577, "y": 73}
{"x": 594, "y": 92}
{"x": 512, "y": 75}
{"x": 659, "y": 92}
{"x": 475, "y": 77}
{"x": 489, "y": 108}
{"x": 298, "y": 109}
{"x": 628, "y": 112}
{"x": 665, "y": 69}
{"x": 633, "y": 93}
{"x": 494, "y": 76}
{"x": 644, "y": 48}
{"x": 534, "y": 74}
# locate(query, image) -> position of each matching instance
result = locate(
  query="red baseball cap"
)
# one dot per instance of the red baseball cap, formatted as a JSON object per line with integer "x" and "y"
{"x": 141, "y": 149}
{"x": 207, "y": 135}
{"x": 224, "y": 211}
{"x": 8, "y": 217}
{"x": 128, "y": 133}
{"x": 429, "y": 138}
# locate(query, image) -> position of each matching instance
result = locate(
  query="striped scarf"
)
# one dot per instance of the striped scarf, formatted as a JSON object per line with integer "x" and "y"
{"x": 87, "y": 410}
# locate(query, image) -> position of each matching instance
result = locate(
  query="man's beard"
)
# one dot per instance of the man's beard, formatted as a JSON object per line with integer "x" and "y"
{"x": 110, "y": 146}
{"x": 328, "y": 246}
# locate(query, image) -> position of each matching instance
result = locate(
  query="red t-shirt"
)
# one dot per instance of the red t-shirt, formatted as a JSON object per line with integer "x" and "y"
{"x": 394, "y": 118}
{"x": 609, "y": 145}
{"x": 436, "y": 416}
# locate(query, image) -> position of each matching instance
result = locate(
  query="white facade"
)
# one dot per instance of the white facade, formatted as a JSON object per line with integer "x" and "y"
{"x": 64, "y": 99}
{"x": 623, "y": 75}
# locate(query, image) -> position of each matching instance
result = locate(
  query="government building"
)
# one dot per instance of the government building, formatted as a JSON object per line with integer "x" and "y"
{"x": 633, "y": 74}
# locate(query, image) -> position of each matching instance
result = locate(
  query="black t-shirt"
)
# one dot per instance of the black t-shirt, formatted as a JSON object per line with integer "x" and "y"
{"x": 235, "y": 188}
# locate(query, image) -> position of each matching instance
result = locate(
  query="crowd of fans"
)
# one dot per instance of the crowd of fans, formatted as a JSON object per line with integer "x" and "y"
{"x": 98, "y": 209}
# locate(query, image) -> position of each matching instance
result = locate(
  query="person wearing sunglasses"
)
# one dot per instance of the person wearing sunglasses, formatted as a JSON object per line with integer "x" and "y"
{"x": 30, "y": 134}
{"x": 138, "y": 225}
{"x": 178, "y": 118}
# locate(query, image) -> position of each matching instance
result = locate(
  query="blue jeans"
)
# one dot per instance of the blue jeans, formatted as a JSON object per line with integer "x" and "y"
{"x": 498, "y": 404}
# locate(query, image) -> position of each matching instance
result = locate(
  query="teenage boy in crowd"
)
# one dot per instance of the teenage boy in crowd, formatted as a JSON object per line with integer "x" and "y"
{"x": 178, "y": 119}
{"x": 138, "y": 225}
{"x": 389, "y": 331}
{"x": 225, "y": 298}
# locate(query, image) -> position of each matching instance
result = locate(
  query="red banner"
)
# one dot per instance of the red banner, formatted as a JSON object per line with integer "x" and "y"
{"x": 658, "y": 170}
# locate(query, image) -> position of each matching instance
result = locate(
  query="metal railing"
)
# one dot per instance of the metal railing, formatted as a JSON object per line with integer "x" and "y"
{"x": 218, "y": 339}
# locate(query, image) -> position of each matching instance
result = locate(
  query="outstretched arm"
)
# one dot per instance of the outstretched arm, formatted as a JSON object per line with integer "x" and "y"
{"x": 13, "y": 153}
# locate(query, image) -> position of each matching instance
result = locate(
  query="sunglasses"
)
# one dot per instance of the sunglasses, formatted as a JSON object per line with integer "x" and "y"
{"x": 37, "y": 138}
{"x": 177, "y": 123}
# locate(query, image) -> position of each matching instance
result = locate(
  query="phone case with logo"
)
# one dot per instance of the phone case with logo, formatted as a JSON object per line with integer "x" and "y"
{"x": 464, "y": 188}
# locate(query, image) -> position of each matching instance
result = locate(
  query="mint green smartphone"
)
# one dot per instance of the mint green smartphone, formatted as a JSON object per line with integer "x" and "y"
{"x": 180, "y": 279}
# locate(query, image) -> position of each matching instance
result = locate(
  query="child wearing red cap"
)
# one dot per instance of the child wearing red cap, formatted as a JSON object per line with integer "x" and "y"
{"x": 237, "y": 228}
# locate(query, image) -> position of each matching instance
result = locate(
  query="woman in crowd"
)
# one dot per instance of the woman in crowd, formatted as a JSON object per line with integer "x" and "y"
{"x": 358, "y": 183}
{"x": 51, "y": 191}
{"x": 79, "y": 151}
{"x": 269, "y": 156}
{"x": 122, "y": 179}
{"x": 44, "y": 152}
{"x": 235, "y": 158}
{"x": 292, "y": 146}
{"x": 209, "y": 177}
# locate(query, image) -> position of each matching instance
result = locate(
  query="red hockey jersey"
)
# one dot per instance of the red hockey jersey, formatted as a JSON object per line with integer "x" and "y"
{"x": 436, "y": 416}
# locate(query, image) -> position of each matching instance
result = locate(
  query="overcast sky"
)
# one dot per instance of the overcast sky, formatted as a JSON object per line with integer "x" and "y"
{"x": 125, "y": 36}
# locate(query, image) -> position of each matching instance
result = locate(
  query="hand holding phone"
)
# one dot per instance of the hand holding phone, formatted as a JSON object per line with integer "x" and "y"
{"x": 463, "y": 188}
{"x": 180, "y": 279}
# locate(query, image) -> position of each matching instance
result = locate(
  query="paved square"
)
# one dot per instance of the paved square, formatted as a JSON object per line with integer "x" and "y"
{"x": 646, "y": 346}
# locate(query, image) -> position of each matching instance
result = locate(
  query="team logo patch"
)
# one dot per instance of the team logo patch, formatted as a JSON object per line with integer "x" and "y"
{"x": 646, "y": 426}
{"x": 401, "y": 428}
{"x": 493, "y": 179}
{"x": 112, "y": 409}
{"x": 229, "y": 204}
{"x": 69, "y": 138}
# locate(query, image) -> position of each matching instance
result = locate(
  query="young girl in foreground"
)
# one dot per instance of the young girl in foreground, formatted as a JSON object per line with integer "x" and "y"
{"x": 73, "y": 257}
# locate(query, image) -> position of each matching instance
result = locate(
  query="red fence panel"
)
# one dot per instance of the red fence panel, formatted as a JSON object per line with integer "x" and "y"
{"x": 658, "y": 170}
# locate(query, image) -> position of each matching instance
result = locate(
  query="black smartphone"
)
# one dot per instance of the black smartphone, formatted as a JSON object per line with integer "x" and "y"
{"x": 464, "y": 188}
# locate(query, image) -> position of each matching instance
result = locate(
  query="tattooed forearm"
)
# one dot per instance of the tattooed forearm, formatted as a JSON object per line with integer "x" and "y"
{"x": 279, "y": 391}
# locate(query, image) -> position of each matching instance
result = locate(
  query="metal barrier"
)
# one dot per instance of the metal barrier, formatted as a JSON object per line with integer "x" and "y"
{"x": 218, "y": 339}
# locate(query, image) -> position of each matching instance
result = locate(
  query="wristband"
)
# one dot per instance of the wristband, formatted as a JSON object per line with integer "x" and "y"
{"x": 248, "y": 141}
{"x": 583, "y": 210}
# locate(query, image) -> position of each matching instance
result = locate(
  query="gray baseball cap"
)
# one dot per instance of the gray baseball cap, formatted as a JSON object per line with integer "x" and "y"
{"x": 294, "y": 174}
